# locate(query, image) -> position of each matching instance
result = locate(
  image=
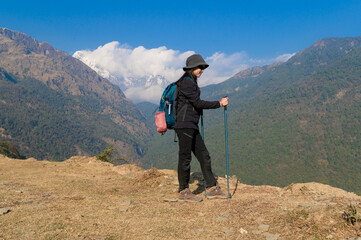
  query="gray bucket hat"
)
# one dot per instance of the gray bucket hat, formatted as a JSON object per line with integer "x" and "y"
{"x": 195, "y": 60}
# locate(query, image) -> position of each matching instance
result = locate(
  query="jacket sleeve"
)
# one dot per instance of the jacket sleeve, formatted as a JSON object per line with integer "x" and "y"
{"x": 189, "y": 89}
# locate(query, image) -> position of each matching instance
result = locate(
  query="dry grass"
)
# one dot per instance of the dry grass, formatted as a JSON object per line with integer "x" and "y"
{"x": 82, "y": 198}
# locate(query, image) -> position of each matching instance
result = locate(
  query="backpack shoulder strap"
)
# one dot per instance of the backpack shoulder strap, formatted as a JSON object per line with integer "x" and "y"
{"x": 190, "y": 79}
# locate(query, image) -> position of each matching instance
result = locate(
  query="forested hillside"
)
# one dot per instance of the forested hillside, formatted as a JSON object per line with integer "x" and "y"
{"x": 52, "y": 106}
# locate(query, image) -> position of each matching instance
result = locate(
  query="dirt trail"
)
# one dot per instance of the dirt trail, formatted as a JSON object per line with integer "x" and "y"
{"x": 83, "y": 198}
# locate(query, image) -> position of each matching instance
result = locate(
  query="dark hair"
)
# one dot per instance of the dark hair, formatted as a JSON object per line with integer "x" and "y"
{"x": 188, "y": 73}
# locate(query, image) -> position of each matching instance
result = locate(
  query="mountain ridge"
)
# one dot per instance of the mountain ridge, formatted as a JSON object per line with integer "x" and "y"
{"x": 36, "y": 76}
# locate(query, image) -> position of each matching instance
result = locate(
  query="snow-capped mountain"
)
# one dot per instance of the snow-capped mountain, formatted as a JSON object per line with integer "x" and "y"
{"x": 137, "y": 88}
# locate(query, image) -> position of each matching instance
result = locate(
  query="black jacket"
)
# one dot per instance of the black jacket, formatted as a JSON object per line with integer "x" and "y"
{"x": 189, "y": 105}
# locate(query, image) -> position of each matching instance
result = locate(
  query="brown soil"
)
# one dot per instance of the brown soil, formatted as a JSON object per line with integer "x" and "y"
{"x": 83, "y": 198}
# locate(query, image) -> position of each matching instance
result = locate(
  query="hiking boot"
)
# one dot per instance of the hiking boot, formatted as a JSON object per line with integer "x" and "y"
{"x": 215, "y": 192}
{"x": 188, "y": 196}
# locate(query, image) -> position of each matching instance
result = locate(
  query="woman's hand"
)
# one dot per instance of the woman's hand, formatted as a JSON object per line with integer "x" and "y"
{"x": 224, "y": 102}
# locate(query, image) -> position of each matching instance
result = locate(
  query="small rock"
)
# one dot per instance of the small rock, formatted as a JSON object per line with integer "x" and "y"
{"x": 18, "y": 191}
{"x": 305, "y": 205}
{"x": 329, "y": 236}
{"x": 227, "y": 231}
{"x": 123, "y": 210}
{"x": 160, "y": 185}
{"x": 176, "y": 183}
{"x": 223, "y": 218}
{"x": 270, "y": 236}
{"x": 4, "y": 211}
{"x": 127, "y": 203}
{"x": 199, "y": 229}
{"x": 263, "y": 228}
{"x": 108, "y": 178}
{"x": 170, "y": 200}
{"x": 242, "y": 231}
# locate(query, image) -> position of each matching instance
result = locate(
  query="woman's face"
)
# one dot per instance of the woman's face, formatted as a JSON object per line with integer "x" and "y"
{"x": 197, "y": 72}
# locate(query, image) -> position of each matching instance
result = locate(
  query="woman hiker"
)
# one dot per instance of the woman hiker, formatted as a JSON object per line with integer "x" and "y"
{"x": 189, "y": 109}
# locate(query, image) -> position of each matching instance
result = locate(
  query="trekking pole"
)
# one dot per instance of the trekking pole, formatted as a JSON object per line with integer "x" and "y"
{"x": 202, "y": 130}
{"x": 226, "y": 136}
{"x": 202, "y": 127}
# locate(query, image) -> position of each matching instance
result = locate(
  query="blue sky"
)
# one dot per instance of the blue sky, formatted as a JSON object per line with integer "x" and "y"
{"x": 262, "y": 29}
{"x": 141, "y": 46}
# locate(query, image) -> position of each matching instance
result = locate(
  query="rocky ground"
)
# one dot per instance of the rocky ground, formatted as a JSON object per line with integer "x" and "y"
{"x": 83, "y": 198}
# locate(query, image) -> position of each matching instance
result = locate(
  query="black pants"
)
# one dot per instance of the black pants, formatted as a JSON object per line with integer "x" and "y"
{"x": 190, "y": 140}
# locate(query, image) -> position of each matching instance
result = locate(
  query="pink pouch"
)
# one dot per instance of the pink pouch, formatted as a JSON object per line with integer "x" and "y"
{"x": 160, "y": 122}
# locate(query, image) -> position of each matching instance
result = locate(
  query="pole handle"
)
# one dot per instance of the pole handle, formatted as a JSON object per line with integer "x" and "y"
{"x": 225, "y": 107}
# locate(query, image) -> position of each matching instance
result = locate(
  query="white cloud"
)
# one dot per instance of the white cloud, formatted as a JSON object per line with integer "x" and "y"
{"x": 221, "y": 67}
{"x": 144, "y": 73}
{"x": 284, "y": 57}
{"x": 125, "y": 66}
{"x": 148, "y": 94}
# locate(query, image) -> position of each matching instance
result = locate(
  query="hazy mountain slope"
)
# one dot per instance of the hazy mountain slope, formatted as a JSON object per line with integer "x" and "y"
{"x": 148, "y": 110}
{"x": 54, "y": 106}
{"x": 293, "y": 122}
